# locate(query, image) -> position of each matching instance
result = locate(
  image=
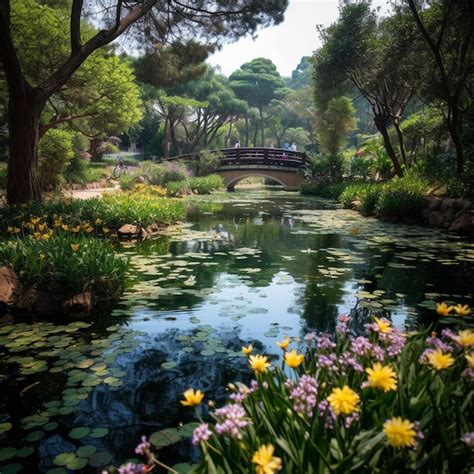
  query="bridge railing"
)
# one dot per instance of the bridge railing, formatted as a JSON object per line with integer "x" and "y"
{"x": 241, "y": 157}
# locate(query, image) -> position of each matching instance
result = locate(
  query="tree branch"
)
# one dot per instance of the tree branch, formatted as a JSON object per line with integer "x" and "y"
{"x": 75, "y": 26}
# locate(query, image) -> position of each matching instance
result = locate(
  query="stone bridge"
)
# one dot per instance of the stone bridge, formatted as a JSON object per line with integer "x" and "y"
{"x": 276, "y": 164}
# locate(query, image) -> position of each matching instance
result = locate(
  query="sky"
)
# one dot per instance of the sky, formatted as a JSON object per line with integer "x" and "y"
{"x": 286, "y": 43}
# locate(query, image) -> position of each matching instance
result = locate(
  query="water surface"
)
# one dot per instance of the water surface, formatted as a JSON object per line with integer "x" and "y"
{"x": 246, "y": 268}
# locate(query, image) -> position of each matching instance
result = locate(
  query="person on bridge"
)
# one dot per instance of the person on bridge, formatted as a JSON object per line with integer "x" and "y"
{"x": 294, "y": 147}
{"x": 286, "y": 146}
{"x": 237, "y": 144}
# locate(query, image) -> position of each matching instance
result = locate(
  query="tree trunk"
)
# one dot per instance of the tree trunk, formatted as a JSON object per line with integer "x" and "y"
{"x": 24, "y": 114}
{"x": 401, "y": 142}
{"x": 166, "y": 140}
{"x": 262, "y": 127}
{"x": 453, "y": 126}
{"x": 229, "y": 133}
{"x": 381, "y": 124}
{"x": 246, "y": 131}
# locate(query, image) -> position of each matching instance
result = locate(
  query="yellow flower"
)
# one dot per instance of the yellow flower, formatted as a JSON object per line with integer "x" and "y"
{"x": 265, "y": 462}
{"x": 46, "y": 236}
{"x": 440, "y": 361}
{"x": 41, "y": 227}
{"x": 443, "y": 309}
{"x": 16, "y": 230}
{"x": 98, "y": 221}
{"x": 462, "y": 310}
{"x": 37, "y": 235}
{"x": 76, "y": 229}
{"x": 74, "y": 247}
{"x": 64, "y": 227}
{"x": 383, "y": 325}
{"x": 465, "y": 338}
{"x": 259, "y": 363}
{"x": 284, "y": 344}
{"x": 192, "y": 398}
{"x": 383, "y": 377}
{"x": 470, "y": 359}
{"x": 34, "y": 220}
{"x": 343, "y": 400}
{"x": 293, "y": 359}
{"x": 400, "y": 433}
{"x": 105, "y": 230}
{"x": 247, "y": 350}
{"x": 9, "y": 229}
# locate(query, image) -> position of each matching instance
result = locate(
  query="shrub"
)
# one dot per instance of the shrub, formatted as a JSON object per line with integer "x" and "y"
{"x": 196, "y": 185}
{"x": 127, "y": 181}
{"x": 95, "y": 216}
{"x": 324, "y": 188}
{"x": 367, "y": 194}
{"x": 72, "y": 264}
{"x": 55, "y": 154}
{"x": 402, "y": 198}
{"x": 3, "y": 176}
{"x": 206, "y": 163}
{"x": 81, "y": 171}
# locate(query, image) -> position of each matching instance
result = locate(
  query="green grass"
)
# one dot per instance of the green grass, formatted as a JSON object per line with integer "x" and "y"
{"x": 56, "y": 263}
{"x": 368, "y": 195}
{"x": 326, "y": 189}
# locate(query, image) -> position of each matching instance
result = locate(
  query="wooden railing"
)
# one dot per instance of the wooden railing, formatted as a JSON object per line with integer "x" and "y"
{"x": 242, "y": 157}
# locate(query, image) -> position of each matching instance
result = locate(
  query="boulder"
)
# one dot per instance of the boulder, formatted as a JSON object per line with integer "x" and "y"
{"x": 128, "y": 231}
{"x": 447, "y": 204}
{"x": 435, "y": 219}
{"x": 448, "y": 217}
{"x": 27, "y": 300}
{"x": 78, "y": 305}
{"x": 431, "y": 202}
{"x": 463, "y": 224}
{"x": 10, "y": 288}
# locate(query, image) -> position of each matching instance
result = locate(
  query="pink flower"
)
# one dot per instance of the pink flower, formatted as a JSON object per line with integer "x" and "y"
{"x": 201, "y": 433}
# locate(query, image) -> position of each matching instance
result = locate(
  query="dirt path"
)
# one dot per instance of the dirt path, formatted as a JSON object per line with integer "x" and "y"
{"x": 87, "y": 193}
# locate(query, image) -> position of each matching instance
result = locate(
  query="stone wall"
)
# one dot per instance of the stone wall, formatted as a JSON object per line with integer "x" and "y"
{"x": 455, "y": 215}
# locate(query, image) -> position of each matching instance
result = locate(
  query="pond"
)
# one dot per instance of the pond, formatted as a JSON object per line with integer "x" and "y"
{"x": 246, "y": 268}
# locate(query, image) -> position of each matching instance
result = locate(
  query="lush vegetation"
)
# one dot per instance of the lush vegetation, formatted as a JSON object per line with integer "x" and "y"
{"x": 66, "y": 264}
{"x": 96, "y": 216}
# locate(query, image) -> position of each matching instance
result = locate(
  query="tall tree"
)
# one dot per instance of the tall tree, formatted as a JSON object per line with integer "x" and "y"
{"x": 447, "y": 27}
{"x": 162, "y": 20}
{"x": 256, "y": 83}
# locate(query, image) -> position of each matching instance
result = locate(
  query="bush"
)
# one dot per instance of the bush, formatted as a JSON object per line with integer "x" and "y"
{"x": 367, "y": 194}
{"x": 402, "y": 198}
{"x": 72, "y": 264}
{"x": 81, "y": 171}
{"x": 339, "y": 407}
{"x": 206, "y": 163}
{"x": 3, "y": 176}
{"x": 324, "y": 188}
{"x": 197, "y": 185}
{"x": 55, "y": 154}
{"x": 162, "y": 173}
{"x": 127, "y": 181}
{"x": 95, "y": 216}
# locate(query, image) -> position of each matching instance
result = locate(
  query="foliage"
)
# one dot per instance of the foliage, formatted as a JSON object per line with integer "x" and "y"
{"x": 379, "y": 400}
{"x": 196, "y": 185}
{"x": 301, "y": 76}
{"x": 367, "y": 195}
{"x": 324, "y": 188}
{"x": 95, "y": 216}
{"x": 55, "y": 154}
{"x": 372, "y": 160}
{"x": 402, "y": 198}
{"x": 3, "y": 176}
{"x": 82, "y": 171}
{"x": 334, "y": 125}
{"x": 206, "y": 163}
{"x": 69, "y": 263}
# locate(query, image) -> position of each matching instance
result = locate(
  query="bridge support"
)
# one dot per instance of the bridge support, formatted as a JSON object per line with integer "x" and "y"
{"x": 287, "y": 178}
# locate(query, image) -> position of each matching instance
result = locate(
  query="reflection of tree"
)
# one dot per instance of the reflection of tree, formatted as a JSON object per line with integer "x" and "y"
{"x": 149, "y": 398}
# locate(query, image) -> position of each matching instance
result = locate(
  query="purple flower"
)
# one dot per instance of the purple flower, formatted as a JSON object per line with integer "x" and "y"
{"x": 361, "y": 346}
{"x": 131, "y": 468}
{"x": 326, "y": 412}
{"x": 437, "y": 343}
{"x": 468, "y": 438}
{"x": 310, "y": 337}
{"x": 396, "y": 342}
{"x": 232, "y": 418}
{"x": 342, "y": 326}
{"x": 303, "y": 393}
{"x": 348, "y": 420}
{"x": 328, "y": 362}
{"x": 325, "y": 342}
{"x": 347, "y": 359}
{"x": 241, "y": 395}
{"x": 468, "y": 374}
{"x": 143, "y": 446}
{"x": 378, "y": 353}
{"x": 201, "y": 433}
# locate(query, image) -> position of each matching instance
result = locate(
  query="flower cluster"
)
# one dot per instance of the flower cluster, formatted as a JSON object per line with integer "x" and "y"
{"x": 303, "y": 394}
{"x": 231, "y": 420}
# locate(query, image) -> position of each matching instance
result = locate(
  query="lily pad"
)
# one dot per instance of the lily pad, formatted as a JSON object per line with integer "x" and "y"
{"x": 165, "y": 437}
{"x": 80, "y": 432}
{"x": 86, "y": 451}
{"x": 7, "y": 453}
{"x": 100, "y": 459}
{"x": 99, "y": 432}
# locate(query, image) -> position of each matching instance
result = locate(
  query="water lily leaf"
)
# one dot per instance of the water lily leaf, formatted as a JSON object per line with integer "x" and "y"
{"x": 80, "y": 432}
{"x": 182, "y": 467}
{"x": 34, "y": 436}
{"x": 86, "y": 451}
{"x": 187, "y": 430}
{"x": 12, "y": 468}
{"x": 25, "y": 452}
{"x": 100, "y": 459}
{"x": 7, "y": 453}
{"x": 99, "y": 432}
{"x": 168, "y": 365}
{"x": 165, "y": 437}
{"x": 57, "y": 470}
{"x": 5, "y": 427}
{"x": 50, "y": 426}
{"x": 63, "y": 458}
{"x": 77, "y": 463}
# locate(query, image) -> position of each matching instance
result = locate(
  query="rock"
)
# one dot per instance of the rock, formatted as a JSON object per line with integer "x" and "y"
{"x": 128, "y": 231}
{"x": 78, "y": 305}
{"x": 464, "y": 224}
{"x": 27, "y": 300}
{"x": 355, "y": 204}
{"x": 435, "y": 219}
{"x": 431, "y": 202}
{"x": 448, "y": 217}
{"x": 10, "y": 288}
{"x": 48, "y": 304}
{"x": 447, "y": 203}
{"x": 152, "y": 229}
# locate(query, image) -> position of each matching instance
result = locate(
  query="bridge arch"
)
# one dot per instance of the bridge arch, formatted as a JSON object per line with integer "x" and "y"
{"x": 234, "y": 181}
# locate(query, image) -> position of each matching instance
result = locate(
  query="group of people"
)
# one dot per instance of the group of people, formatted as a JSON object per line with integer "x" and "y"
{"x": 286, "y": 146}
